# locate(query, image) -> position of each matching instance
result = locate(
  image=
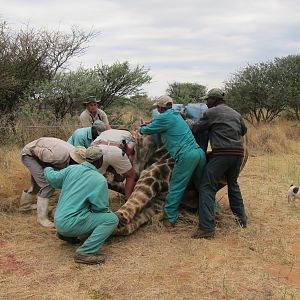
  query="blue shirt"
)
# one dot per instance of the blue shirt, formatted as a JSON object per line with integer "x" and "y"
{"x": 81, "y": 137}
{"x": 175, "y": 132}
{"x": 83, "y": 189}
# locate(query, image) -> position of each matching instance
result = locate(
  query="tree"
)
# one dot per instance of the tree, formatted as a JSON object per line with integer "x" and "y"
{"x": 257, "y": 91}
{"x": 28, "y": 56}
{"x": 290, "y": 69}
{"x": 119, "y": 80}
{"x": 63, "y": 94}
{"x": 186, "y": 92}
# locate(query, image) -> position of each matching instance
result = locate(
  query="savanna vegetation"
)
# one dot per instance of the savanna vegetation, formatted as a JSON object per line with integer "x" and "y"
{"x": 39, "y": 96}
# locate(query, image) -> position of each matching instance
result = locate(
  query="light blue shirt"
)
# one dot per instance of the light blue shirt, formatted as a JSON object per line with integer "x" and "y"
{"x": 81, "y": 137}
{"x": 175, "y": 133}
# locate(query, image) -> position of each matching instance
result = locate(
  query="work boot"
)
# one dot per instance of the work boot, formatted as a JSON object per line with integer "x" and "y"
{"x": 241, "y": 222}
{"x": 89, "y": 259}
{"x": 70, "y": 240}
{"x": 203, "y": 234}
{"x": 26, "y": 202}
{"x": 42, "y": 212}
{"x": 168, "y": 224}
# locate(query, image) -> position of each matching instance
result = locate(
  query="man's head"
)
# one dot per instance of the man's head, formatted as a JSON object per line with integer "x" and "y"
{"x": 97, "y": 128}
{"x": 214, "y": 97}
{"x": 163, "y": 103}
{"x": 91, "y": 104}
{"x": 94, "y": 155}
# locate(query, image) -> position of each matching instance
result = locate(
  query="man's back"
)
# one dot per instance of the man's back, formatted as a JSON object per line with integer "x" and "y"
{"x": 227, "y": 127}
{"x": 83, "y": 190}
{"x": 176, "y": 134}
{"x": 81, "y": 137}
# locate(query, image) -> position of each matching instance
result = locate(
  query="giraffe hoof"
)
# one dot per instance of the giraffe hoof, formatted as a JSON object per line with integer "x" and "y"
{"x": 122, "y": 221}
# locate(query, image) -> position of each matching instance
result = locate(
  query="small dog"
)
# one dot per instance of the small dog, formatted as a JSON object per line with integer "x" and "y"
{"x": 293, "y": 194}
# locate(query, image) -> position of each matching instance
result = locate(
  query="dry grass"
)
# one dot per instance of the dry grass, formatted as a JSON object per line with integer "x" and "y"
{"x": 274, "y": 138}
{"x": 260, "y": 262}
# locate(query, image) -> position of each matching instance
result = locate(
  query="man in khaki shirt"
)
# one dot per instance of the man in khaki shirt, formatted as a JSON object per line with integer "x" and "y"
{"x": 112, "y": 143}
{"x": 41, "y": 153}
{"x": 93, "y": 113}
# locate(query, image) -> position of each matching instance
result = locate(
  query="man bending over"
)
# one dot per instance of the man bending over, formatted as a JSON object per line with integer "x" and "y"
{"x": 83, "y": 206}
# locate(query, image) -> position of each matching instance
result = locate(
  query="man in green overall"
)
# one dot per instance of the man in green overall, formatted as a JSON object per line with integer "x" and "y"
{"x": 189, "y": 158}
{"x": 86, "y": 135}
{"x": 83, "y": 206}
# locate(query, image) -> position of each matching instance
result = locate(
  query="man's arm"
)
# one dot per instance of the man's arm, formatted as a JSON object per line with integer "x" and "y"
{"x": 55, "y": 178}
{"x": 243, "y": 127}
{"x": 85, "y": 119}
{"x": 129, "y": 182}
{"x": 202, "y": 125}
{"x": 99, "y": 200}
{"x": 158, "y": 124}
{"x": 104, "y": 118}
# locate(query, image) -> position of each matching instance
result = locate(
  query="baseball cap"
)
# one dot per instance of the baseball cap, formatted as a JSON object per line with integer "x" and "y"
{"x": 164, "y": 101}
{"x": 93, "y": 153}
{"x": 214, "y": 93}
{"x": 99, "y": 126}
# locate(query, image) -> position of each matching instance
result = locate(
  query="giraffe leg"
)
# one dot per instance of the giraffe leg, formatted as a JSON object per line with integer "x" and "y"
{"x": 143, "y": 217}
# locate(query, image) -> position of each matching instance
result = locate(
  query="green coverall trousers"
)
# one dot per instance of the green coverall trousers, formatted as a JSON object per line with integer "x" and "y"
{"x": 98, "y": 225}
{"x": 188, "y": 165}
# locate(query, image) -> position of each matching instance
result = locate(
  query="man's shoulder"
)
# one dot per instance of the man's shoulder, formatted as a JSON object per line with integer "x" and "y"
{"x": 100, "y": 111}
{"x": 84, "y": 113}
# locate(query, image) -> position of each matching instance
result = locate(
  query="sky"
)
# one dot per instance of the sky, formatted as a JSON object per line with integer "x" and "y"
{"x": 198, "y": 41}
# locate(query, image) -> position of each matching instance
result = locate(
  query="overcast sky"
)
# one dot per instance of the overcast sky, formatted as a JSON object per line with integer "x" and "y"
{"x": 198, "y": 41}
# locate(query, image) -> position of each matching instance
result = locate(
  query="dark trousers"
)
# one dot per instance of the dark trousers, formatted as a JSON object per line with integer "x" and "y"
{"x": 216, "y": 168}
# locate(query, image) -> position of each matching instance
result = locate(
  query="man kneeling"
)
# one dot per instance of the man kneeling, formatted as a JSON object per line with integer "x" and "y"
{"x": 82, "y": 207}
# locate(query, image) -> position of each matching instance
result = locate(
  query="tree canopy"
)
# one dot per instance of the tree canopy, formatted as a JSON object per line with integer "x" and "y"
{"x": 29, "y": 55}
{"x": 261, "y": 92}
{"x": 186, "y": 92}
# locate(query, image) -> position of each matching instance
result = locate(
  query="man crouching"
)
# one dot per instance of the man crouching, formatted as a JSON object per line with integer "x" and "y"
{"x": 82, "y": 207}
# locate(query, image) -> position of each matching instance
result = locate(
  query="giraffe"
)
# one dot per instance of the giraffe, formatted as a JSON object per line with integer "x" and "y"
{"x": 154, "y": 168}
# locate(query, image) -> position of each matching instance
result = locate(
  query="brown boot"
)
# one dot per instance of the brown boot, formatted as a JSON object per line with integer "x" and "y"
{"x": 202, "y": 234}
{"x": 89, "y": 259}
{"x": 168, "y": 224}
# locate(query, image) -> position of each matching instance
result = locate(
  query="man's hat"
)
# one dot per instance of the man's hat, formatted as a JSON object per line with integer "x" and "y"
{"x": 91, "y": 99}
{"x": 214, "y": 93}
{"x": 93, "y": 153}
{"x": 99, "y": 126}
{"x": 164, "y": 101}
{"x": 78, "y": 154}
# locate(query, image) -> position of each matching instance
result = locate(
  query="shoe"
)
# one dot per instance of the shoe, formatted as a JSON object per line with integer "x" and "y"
{"x": 26, "y": 202}
{"x": 241, "y": 223}
{"x": 203, "y": 234}
{"x": 42, "y": 212}
{"x": 70, "y": 240}
{"x": 89, "y": 259}
{"x": 168, "y": 224}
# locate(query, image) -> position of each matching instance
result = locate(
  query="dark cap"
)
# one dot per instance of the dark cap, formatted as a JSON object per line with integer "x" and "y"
{"x": 214, "y": 93}
{"x": 91, "y": 99}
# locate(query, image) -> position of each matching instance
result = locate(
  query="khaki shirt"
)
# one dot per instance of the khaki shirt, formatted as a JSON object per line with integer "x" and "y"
{"x": 50, "y": 150}
{"x": 113, "y": 135}
{"x": 87, "y": 120}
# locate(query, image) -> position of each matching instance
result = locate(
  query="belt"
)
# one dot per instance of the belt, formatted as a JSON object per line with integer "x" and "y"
{"x": 109, "y": 143}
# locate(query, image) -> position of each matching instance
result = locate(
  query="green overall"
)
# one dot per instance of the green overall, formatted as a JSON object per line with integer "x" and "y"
{"x": 82, "y": 207}
{"x": 189, "y": 157}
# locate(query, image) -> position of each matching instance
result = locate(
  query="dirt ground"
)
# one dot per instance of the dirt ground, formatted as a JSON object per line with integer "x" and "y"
{"x": 259, "y": 262}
